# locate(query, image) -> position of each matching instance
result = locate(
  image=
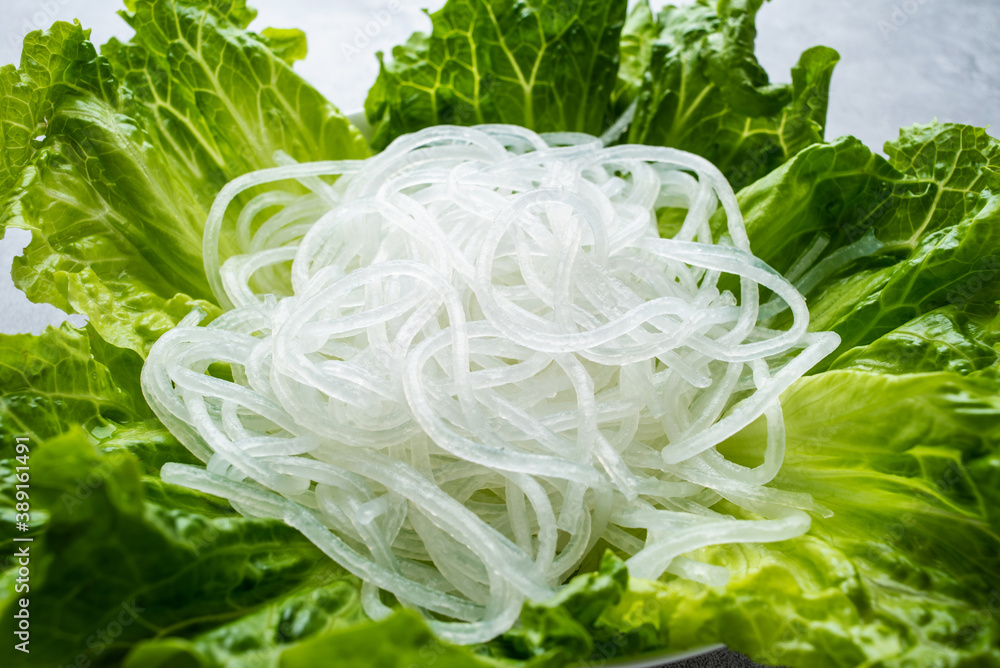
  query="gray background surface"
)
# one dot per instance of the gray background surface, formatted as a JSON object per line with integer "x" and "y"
{"x": 903, "y": 62}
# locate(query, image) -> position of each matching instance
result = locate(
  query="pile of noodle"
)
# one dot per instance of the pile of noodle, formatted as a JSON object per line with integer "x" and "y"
{"x": 459, "y": 364}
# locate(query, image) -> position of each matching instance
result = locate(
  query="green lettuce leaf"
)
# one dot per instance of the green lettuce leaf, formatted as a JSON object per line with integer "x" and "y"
{"x": 900, "y": 439}
{"x": 548, "y": 65}
{"x": 53, "y": 62}
{"x": 932, "y": 208}
{"x": 906, "y": 572}
{"x": 109, "y": 538}
{"x": 904, "y": 462}
{"x": 124, "y": 558}
{"x": 565, "y": 629}
{"x": 259, "y": 638}
{"x": 65, "y": 378}
{"x": 636, "y": 49}
{"x": 705, "y": 92}
{"x": 137, "y": 558}
{"x": 945, "y": 339}
{"x": 112, "y": 161}
{"x": 71, "y": 379}
{"x": 401, "y": 641}
{"x": 216, "y": 100}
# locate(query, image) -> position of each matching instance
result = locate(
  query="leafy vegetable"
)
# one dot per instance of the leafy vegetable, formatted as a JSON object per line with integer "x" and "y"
{"x": 904, "y": 462}
{"x": 945, "y": 339}
{"x": 638, "y": 34}
{"x": 572, "y": 628}
{"x": 112, "y": 161}
{"x": 932, "y": 205}
{"x": 401, "y": 640}
{"x": 130, "y": 547}
{"x": 64, "y": 378}
{"x": 705, "y": 92}
{"x": 124, "y": 557}
{"x": 549, "y": 65}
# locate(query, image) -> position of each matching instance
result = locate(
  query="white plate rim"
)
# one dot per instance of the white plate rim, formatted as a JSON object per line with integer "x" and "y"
{"x": 662, "y": 660}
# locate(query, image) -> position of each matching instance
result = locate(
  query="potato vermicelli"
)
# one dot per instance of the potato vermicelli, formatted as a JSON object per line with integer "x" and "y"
{"x": 459, "y": 364}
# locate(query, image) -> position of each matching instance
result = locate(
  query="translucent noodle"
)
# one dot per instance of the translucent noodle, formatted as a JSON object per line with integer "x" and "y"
{"x": 458, "y": 365}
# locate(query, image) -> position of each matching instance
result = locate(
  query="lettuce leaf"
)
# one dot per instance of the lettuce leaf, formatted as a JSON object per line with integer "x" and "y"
{"x": 945, "y": 339}
{"x": 548, "y": 65}
{"x": 933, "y": 206}
{"x": 704, "y": 91}
{"x": 910, "y": 560}
{"x": 900, "y": 438}
{"x": 124, "y": 557}
{"x": 638, "y": 34}
{"x": 559, "y": 65}
{"x": 112, "y": 160}
{"x": 906, "y": 572}
{"x": 118, "y": 556}
{"x": 66, "y": 378}
{"x": 401, "y": 640}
